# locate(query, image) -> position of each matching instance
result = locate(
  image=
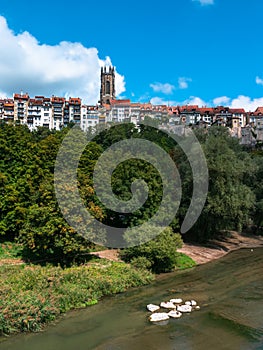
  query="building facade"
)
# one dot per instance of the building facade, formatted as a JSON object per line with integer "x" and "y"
{"x": 107, "y": 85}
{"x": 56, "y": 112}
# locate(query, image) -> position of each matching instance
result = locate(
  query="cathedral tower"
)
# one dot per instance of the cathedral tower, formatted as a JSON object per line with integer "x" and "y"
{"x": 107, "y": 85}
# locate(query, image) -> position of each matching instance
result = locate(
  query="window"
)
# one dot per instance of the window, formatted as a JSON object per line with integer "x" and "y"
{"x": 107, "y": 87}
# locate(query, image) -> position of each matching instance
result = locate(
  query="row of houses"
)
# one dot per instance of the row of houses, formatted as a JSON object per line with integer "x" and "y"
{"x": 53, "y": 113}
{"x": 56, "y": 112}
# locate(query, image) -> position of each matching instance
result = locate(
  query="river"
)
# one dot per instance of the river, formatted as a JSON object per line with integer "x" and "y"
{"x": 229, "y": 292}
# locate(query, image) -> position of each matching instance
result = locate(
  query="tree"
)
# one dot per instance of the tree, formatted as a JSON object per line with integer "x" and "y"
{"x": 161, "y": 252}
{"x": 229, "y": 199}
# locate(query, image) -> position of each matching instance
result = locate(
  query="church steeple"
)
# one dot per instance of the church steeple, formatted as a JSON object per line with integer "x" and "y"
{"x": 107, "y": 85}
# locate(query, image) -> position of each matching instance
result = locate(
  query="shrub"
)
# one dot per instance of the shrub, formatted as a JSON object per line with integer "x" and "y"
{"x": 161, "y": 251}
{"x": 141, "y": 262}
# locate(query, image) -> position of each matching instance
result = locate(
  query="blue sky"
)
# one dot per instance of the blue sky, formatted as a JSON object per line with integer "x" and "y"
{"x": 182, "y": 51}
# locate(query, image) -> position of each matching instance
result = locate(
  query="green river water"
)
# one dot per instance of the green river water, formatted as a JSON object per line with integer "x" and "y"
{"x": 229, "y": 292}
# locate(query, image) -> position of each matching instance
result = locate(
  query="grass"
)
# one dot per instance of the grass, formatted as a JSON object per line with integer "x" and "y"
{"x": 24, "y": 308}
{"x": 184, "y": 262}
{"x": 10, "y": 250}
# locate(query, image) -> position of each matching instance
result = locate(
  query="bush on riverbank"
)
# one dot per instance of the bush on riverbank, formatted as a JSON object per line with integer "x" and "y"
{"x": 31, "y": 296}
{"x": 159, "y": 254}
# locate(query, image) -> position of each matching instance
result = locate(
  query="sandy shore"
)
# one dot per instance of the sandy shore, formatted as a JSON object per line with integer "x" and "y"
{"x": 218, "y": 248}
{"x": 202, "y": 254}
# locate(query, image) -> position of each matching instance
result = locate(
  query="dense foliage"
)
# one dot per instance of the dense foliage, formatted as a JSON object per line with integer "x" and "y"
{"x": 23, "y": 309}
{"x": 160, "y": 254}
{"x": 231, "y": 201}
{"x": 29, "y": 211}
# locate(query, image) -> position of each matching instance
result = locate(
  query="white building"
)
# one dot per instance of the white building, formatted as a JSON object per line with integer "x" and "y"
{"x": 120, "y": 111}
{"x": 90, "y": 116}
{"x": 58, "y": 104}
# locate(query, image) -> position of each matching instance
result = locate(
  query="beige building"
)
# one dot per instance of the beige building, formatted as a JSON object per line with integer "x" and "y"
{"x": 20, "y": 107}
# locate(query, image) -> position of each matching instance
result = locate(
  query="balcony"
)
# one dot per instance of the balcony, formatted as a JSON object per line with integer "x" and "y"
{"x": 8, "y": 117}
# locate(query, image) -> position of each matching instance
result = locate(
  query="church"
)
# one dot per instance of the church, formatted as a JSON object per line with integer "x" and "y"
{"x": 107, "y": 87}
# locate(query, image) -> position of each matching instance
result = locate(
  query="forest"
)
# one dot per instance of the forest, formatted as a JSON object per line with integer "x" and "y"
{"x": 30, "y": 215}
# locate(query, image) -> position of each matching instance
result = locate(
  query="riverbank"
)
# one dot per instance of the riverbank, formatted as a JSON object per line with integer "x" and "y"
{"x": 229, "y": 292}
{"x": 218, "y": 248}
{"x": 202, "y": 254}
{"x": 32, "y": 295}
{"x": 23, "y": 309}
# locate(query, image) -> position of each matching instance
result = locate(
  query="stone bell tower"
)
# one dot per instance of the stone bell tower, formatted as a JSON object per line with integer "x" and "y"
{"x": 107, "y": 85}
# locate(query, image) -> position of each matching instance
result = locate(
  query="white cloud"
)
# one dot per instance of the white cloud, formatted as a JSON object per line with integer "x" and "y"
{"x": 164, "y": 88}
{"x": 160, "y": 101}
{"x": 3, "y": 94}
{"x": 241, "y": 101}
{"x": 65, "y": 69}
{"x": 205, "y": 2}
{"x": 246, "y": 102}
{"x": 221, "y": 101}
{"x": 193, "y": 100}
{"x": 168, "y": 88}
{"x": 259, "y": 81}
{"x": 183, "y": 82}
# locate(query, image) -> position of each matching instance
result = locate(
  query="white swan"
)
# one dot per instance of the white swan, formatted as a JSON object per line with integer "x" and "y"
{"x": 168, "y": 305}
{"x": 159, "y": 316}
{"x": 184, "y": 308}
{"x": 152, "y": 307}
{"x": 176, "y": 301}
{"x": 175, "y": 314}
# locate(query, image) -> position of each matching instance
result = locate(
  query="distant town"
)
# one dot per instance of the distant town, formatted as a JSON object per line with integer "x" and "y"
{"x": 56, "y": 112}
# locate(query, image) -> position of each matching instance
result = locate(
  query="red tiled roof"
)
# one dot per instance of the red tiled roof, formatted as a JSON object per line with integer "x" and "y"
{"x": 146, "y": 106}
{"x": 57, "y": 99}
{"x": 237, "y": 110}
{"x": 134, "y": 104}
{"x": 75, "y": 100}
{"x": 206, "y": 109}
{"x": 119, "y": 102}
{"x": 258, "y": 111}
{"x": 188, "y": 108}
{"x": 21, "y": 97}
{"x": 35, "y": 102}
